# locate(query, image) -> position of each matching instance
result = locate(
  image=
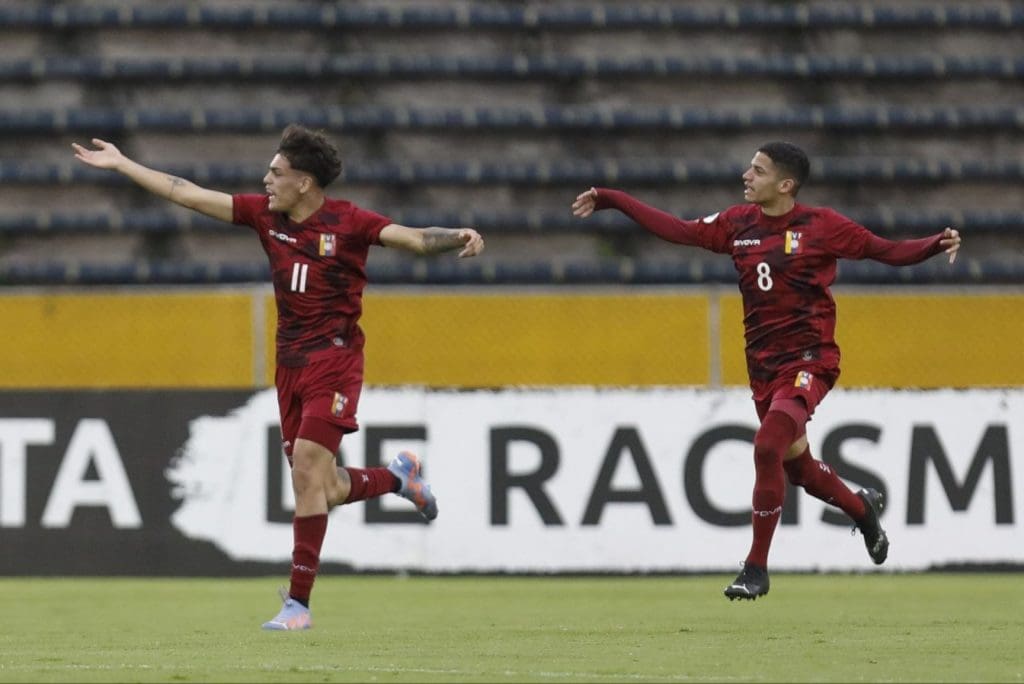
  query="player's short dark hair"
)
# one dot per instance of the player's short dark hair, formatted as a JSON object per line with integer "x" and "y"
{"x": 790, "y": 160}
{"x": 310, "y": 151}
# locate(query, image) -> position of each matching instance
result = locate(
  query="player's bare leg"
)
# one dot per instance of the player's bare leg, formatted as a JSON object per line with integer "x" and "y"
{"x": 338, "y": 487}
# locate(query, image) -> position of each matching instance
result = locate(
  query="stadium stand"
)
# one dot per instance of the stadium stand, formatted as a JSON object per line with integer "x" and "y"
{"x": 885, "y": 222}
{"x": 516, "y": 16}
{"x": 584, "y": 118}
{"x": 568, "y": 172}
{"x": 313, "y": 69}
{"x": 495, "y": 114}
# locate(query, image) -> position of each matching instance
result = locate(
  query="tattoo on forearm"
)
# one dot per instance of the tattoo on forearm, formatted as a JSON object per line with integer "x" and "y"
{"x": 440, "y": 239}
{"x": 175, "y": 183}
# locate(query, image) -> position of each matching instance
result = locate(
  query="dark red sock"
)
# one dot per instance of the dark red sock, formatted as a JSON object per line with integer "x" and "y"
{"x": 309, "y": 534}
{"x": 368, "y": 483}
{"x": 819, "y": 480}
{"x": 776, "y": 434}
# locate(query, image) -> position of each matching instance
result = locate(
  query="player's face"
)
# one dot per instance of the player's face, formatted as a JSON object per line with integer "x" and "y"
{"x": 285, "y": 185}
{"x": 761, "y": 181}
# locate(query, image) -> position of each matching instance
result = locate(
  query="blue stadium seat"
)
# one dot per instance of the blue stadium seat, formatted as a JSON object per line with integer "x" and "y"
{"x": 138, "y": 221}
{"x": 173, "y": 69}
{"x": 98, "y": 84}
{"x": 882, "y": 220}
{"x": 592, "y": 16}
{"x": 569, "y": 172}
{"x": 130, "y": 272}
{"x": 1009, "y": 270}
{"x": 90, "y": 120}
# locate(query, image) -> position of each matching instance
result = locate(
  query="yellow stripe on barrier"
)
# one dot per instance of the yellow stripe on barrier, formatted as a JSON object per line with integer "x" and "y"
{"x": 484, "y": 340}
{"x": 911, "y": 341}
{"x": 731, "y": 343}
{"x": 496, "y": 338}
{"x": 931, "y": 341}
{"x": 126, "y": 340}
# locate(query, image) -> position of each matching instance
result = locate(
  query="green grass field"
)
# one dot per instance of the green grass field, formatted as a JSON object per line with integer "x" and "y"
{"x": 934, "y": 627}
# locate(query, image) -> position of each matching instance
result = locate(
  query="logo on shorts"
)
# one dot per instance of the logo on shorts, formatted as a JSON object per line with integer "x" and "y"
{"x": 803, "y": 380}
{"x": 328, "y": 244}
{"x": 338, "y": 405}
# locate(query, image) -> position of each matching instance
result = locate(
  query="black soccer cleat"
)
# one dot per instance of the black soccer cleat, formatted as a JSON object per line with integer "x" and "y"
{"x": 870, "y": 526}
{"x": 749, "y": 584}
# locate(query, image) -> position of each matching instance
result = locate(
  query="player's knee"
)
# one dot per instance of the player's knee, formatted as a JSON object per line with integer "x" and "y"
{"x": 794, "y": 473}
{"x": 766, "y": 443}
{"x": 337, "y": 487}
{"x": 774, "y": 437}
{"x": 305, "y": 479}
{"x": 765, "y": 453}
{"x": 307, "y": 473}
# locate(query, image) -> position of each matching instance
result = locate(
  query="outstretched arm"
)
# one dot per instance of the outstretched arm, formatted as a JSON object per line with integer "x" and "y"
{"x": 905, "y": 252}
{"x": 701, "y": 233}
{"x": 178, "y": 190}
{"x": 432, "y": 240}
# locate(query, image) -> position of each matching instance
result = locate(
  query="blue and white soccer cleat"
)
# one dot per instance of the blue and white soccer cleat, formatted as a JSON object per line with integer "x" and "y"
{"x": 406, "y": 467}
{"x": 293, "y": 615}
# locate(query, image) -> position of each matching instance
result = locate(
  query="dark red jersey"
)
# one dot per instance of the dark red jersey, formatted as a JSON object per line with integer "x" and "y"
{"x": 786, "y": 265}
{"x": 318, "y": 268}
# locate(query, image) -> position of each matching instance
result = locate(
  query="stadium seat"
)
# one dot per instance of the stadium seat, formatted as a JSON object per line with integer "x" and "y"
{"x": 540, "y": 271}
{"x": 910, "y": 127}
{"x": 439, "y": 16}
{"x": 566, "y": 172}
{"x": 578, "y": 118}
{"x": 885, "y": 221}
{"x": 292, "y": 69}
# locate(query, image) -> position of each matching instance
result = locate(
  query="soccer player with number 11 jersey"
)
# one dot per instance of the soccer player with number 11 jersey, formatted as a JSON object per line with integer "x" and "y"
{"x": 317, "y": 247}
{"x": 785, "y": 254}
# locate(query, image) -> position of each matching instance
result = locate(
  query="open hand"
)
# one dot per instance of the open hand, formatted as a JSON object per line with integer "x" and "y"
{"x": 106, "y": 156}
{"x": 951, "y": 242}
{"x": 585, "y": 203}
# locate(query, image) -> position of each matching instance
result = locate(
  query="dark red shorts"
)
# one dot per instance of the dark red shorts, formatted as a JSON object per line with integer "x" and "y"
{"x": 318, "y": 402}
{"x": 797, "y": 384}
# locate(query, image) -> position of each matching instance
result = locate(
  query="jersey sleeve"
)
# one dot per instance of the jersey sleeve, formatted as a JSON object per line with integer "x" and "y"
{"x": 850, "y": 240}
{"x": 369, "y": 224}
{"x": 712, "y": 232}
{"x": 245, "y": 208}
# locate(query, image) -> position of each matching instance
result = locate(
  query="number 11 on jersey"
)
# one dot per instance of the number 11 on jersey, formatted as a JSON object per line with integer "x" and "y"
{"x": 299, "y": 272}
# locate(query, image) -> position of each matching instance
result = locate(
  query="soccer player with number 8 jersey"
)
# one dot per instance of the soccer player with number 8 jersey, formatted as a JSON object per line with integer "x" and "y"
{"x": 785, "y": 254}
